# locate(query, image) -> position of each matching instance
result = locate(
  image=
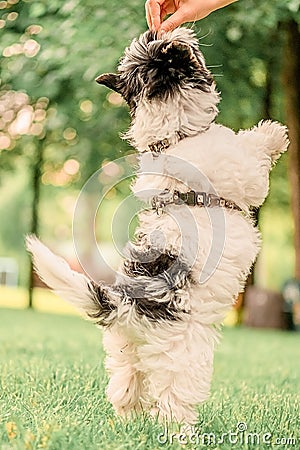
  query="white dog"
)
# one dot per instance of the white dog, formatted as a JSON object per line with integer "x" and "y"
{"x": 193, "y": 250}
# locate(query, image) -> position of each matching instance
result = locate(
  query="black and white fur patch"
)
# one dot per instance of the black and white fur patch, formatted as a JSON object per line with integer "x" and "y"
{"x": 151, "y": 284}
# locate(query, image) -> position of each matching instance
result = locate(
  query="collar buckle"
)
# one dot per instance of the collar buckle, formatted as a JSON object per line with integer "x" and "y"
{"x": 160, "y": 201}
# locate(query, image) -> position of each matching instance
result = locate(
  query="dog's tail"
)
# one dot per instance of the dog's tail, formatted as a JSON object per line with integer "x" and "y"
{"x": 74, "y": 287}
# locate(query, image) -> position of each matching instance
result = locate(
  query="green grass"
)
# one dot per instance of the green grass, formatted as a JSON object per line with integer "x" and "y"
{"x": 52, "y": 392}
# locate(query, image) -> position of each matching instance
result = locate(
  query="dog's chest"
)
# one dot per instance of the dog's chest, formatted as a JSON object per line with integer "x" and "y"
{"x": 211, "y": 162}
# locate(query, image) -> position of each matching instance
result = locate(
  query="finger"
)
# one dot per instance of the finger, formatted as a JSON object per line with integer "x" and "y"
{"x": 163, "y": 14}
{"x": 148, "y": 16}
{"x": 167, "y": 7}
{"x": 153, "y": 8}
{"x": 173, "y": 21}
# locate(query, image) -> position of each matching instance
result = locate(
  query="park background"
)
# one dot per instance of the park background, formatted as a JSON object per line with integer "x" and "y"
{"x": 57, "y": 127}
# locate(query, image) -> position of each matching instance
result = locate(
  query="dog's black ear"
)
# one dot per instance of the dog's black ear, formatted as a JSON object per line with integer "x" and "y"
{"x": 111, "y": 80}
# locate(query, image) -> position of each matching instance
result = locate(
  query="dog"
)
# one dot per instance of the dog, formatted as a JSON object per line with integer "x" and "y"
{"x": 195, "y": 243}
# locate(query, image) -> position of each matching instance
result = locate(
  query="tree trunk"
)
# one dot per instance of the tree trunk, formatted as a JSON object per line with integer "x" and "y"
{"x": 291, "y": 83}
{"x": 34, "y": 228}
{"x": 266, "y": 114}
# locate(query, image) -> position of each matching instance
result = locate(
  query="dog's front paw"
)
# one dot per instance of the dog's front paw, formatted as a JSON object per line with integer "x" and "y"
{"x": 276, "y": 138}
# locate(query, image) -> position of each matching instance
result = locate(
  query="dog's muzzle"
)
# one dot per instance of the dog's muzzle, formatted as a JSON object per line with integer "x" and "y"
{"x": 190, "y": 198}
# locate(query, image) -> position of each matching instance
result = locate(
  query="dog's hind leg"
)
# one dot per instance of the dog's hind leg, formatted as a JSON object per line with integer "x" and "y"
{"x": 178, "y": 364}
{"x": 125, "y": 384}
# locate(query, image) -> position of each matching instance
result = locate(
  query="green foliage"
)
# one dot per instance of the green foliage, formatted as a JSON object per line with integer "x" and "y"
{"x": 53, "y": 388}
{"x": 263, "y": 16}
{"x": 244, "y": 46}
{"x": 55, "y": 51}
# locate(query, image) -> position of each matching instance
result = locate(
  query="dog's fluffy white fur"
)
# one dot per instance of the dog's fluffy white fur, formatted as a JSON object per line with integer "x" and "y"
{"x": 161, "y": 359}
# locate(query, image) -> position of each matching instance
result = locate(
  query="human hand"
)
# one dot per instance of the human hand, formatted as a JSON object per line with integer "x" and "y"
{"x": 182, "y": 11}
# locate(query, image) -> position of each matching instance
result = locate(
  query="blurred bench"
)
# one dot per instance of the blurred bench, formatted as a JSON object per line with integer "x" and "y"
{"x": 264, "y": 308}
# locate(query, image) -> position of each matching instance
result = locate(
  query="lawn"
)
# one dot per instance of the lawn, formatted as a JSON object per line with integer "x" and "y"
{"x": 52, "y": 393}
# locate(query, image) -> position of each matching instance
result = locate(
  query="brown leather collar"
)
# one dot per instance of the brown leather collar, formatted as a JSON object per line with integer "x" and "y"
{"x": 190, "y": 198}
{"x": 159, "y": 146}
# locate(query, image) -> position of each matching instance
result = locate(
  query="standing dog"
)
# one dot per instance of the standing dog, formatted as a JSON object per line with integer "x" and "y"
{"x": 194, "y": 246}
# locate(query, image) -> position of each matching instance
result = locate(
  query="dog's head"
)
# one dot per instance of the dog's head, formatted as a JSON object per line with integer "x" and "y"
{"x": 155, "y": 67}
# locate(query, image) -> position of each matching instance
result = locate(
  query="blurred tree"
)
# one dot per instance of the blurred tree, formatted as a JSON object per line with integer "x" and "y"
{"x": 291, "y": 83}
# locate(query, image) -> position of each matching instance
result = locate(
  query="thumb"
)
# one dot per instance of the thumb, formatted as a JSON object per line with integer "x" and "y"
{"x": 173, "y": 21}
